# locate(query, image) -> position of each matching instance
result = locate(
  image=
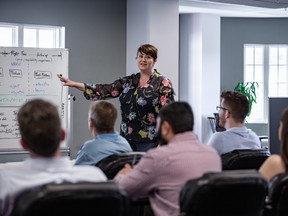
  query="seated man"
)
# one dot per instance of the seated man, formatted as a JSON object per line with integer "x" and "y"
{"x": 233, "y": 110}
{"x": 41, "y": 134}
{"x": 105, "y": 142}
{"x": 163, "y": 171}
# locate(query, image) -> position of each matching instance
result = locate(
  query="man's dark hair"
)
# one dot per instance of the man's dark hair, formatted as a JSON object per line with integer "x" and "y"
{"x": 104, "y": 115}
{"x": 40, "y": 126}
{"x": 237, "y": 104}
{"x": 179, "y": 115}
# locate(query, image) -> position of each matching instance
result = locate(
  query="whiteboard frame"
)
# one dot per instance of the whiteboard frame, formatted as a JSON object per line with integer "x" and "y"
{"x": 65, "y": 146}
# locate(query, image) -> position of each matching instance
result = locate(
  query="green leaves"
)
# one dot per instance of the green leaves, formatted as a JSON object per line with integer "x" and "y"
{"x": 249, "y": 90}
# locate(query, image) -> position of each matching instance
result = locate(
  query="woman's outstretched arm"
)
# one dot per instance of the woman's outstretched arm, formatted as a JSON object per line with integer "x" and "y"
{"x": 70, "y": 83}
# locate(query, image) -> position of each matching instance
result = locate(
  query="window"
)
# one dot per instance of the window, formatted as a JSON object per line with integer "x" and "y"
{"x": 278, "y": 85}
{"x": 267, "y": 65}
{"x": 8, "y": 35}
{"x": 32, "y": 36}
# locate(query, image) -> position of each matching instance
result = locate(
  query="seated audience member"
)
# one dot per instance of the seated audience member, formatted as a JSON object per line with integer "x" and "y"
{"x": 105, "y": 142}
{"x": 233, "y": 110}
{"x": 277, "y": 164}
{"x": 41, "y": 134}
{"x": 163, "y": 171}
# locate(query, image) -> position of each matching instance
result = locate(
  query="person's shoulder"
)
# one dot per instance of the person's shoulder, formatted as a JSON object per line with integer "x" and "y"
{"x": 272, "y": 166}
{"x": 124, "y": 142}
{"x": 156, "y": 158}
{"x": 159, "y": 75}
{"x": 253, "y": 135}
{"x": 94, "y": 145}
{"x": 217, "y": 140}
{"x": 89, "y": 143}
{"x": 120, "y": 137}
{"x": 8, "y": 171}
{"x": 274, "y": 160}
{"x": 155, "y": 152}
{"x": 111, "y": 138}
{"x": 245, "y": 129}
{"x": 274, "y": 163}
{"x": 164, "y": 82}
{"x": 218, "y": 135}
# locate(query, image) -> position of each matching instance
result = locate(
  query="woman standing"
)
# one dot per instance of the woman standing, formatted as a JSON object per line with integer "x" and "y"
{"x": 141, "y": 96}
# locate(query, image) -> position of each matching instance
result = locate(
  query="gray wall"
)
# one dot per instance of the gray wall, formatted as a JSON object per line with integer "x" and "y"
{"x": 235, "y": 32}
{"x": 95, "y": 37}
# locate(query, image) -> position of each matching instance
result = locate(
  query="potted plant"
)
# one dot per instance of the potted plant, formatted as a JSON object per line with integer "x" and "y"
{"x": 249, "y": 90}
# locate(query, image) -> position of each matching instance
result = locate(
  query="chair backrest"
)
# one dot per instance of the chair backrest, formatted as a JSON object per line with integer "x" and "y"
{"x": 278, "y": 195}
{"x": 113, "y": 163}
{"x": 73, "y": 199}
{"x": 237, "y": 193}
{"x": 218, "y": 128}
{"x": 244, "y": 159}
{"x": 214, "y": 123}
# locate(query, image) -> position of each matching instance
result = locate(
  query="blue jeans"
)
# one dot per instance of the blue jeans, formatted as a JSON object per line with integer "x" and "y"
{"x": 142, "y": 147}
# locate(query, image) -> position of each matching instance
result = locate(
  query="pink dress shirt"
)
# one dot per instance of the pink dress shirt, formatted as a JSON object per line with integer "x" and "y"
{"x": 163, "y": 171}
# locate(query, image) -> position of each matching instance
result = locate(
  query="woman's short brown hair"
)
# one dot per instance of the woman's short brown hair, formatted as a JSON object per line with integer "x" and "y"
{"x": 148, "y": 49}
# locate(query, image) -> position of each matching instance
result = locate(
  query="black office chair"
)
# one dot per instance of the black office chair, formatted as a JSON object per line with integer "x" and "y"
{"x": 214, "y": 123}
{"x": 73, "y": 199}
{"x": 277, "y": 196}
{"x": 111, "y": 166}
{"x": 244, "y": 159}
{"x": 113, "y": 163}
{"x": 264, "y": 141}
{"x": 227, "y": 193}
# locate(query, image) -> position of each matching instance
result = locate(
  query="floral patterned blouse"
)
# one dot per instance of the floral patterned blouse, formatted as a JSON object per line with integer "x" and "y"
{"x": 139, "y": 105}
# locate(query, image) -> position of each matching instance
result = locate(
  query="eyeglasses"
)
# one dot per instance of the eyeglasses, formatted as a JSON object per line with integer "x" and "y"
{"x": 218, "y": 108}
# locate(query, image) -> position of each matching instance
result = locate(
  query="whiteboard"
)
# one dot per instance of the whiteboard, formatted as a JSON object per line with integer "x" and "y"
{"x": 25, "y": 74}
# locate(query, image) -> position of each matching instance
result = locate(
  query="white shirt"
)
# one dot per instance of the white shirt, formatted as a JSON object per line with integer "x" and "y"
{"x": 39, "y": 171}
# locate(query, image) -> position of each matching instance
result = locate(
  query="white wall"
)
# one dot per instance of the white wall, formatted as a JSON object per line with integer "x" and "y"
{"x": 157, "y": 23}
{"x": 200, "y": 68}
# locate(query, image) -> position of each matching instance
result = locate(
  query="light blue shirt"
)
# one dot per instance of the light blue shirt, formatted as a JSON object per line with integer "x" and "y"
{"x": 234, "y": 138}
{"x": 103, "y": 145}
{"x": 39, "y": 171}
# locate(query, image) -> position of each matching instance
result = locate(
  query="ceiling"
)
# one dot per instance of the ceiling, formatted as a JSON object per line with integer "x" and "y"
{"x": 236, "y": 8}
